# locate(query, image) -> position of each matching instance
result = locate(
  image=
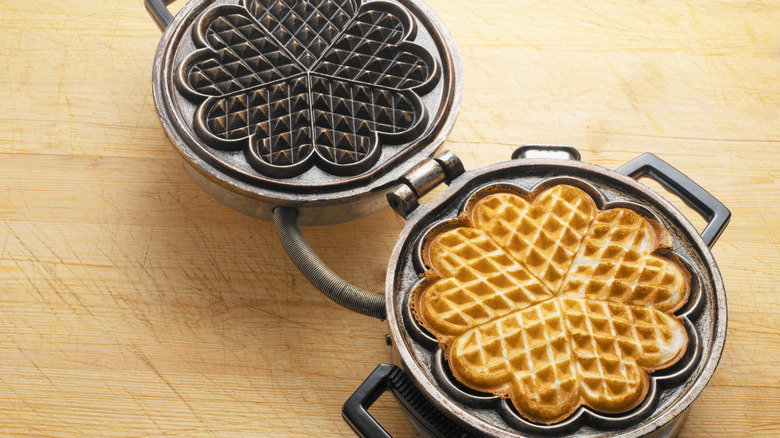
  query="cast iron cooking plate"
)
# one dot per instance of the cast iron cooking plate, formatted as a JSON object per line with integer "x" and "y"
{"x": 319, "y": 105}
{"x": 672, "y": 390}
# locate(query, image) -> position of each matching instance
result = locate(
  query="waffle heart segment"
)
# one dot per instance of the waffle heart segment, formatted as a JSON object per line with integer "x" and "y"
{"x": 615, "y": 263}
{"x": 476, "y": 282}
{"x": 305, "y": 27}
{"x": 610, "y": 341}
{"x": 525, "y": 356}
{"x": 302, "y": 83}
{"x": 588, "y": 334}
{"x": 276, "y": 116}
{"x": 347, "y": 117}
{"x": 372, "y": 51}
{"x": 545, "y": 234}
{"x": 238, "y": 56}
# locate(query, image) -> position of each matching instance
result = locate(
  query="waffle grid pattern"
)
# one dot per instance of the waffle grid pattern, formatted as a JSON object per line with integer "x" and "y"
{"x": 357, "y": 66}
{"x": 545, "y": 235}
{"x": 565, "y": 347}
{"x": 540, "y": 358}
{"x": 367, "y": 54}
{"x": 490, "y": 283}
{"x": 305, "y": 28}
{"x": 347, "y": 114}
{"x": 610, "y": 265}
{"x": 245, "y": 58}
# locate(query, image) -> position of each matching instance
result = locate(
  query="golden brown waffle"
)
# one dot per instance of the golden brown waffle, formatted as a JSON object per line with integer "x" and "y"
{"x": 553, "y": 303}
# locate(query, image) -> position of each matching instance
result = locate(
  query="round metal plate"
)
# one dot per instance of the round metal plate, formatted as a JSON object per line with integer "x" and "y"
{"x": 315, "y": 104}
{"x": 672, "y": 390}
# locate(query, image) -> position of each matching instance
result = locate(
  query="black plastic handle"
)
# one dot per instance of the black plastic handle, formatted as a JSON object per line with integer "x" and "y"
{"x": 388, "y": 377}
{"x": 160, "y": 14}
{"x": 694, "y": 196}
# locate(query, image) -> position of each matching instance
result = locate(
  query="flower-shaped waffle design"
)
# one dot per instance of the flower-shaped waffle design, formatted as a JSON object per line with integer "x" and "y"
{"x": 296, "y": 83}
{"x": 553, "y": 303}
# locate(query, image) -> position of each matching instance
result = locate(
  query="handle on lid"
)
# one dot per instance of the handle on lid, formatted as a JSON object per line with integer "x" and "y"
{"x": 388, "y": 377}
{"x": 160, "y": 14}
{"x": 441, "y": 168}
{"x": 694, "y": 196}
{"x": 314, "y": 269}
{"x": 559, "y": 151}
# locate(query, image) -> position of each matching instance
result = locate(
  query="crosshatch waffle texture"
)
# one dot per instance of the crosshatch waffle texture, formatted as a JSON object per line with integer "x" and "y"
{"x": 552, "y": 303}
{"x": 298, "y": 83}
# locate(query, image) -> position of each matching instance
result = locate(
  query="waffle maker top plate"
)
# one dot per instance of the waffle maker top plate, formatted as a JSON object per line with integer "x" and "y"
{"x": 320, "y": 106}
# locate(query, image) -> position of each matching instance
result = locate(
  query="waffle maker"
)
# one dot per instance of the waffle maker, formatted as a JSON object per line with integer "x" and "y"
{"x": 322, "y": 111}
{"x": 442, "y": 407}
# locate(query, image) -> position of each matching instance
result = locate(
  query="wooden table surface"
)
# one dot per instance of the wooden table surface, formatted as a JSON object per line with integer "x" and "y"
{"x": 133, "y": 304}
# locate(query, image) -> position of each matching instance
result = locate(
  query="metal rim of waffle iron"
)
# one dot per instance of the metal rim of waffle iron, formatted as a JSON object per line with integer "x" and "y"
{"x": 393, "y": 122}
{"x": 486, "y": 415}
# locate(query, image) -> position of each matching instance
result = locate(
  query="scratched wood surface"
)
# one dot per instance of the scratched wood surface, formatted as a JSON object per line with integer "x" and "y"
{"x": 133, "y": 304}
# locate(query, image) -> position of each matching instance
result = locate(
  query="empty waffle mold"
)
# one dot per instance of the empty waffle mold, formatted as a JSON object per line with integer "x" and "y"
{"x": 293, "y": 85}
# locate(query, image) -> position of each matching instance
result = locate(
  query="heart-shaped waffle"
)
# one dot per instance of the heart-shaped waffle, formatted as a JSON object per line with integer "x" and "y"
{"x": 552, "y": 303}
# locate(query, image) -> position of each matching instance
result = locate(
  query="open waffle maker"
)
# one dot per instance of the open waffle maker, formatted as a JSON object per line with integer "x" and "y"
{"x": 322, "y": 111}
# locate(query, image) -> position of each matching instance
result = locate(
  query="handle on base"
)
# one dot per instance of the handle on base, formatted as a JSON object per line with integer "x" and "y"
{"x": 694, "y": 196}
{"x": 314, "y": 269}
{"x": 558, "y": 151}
{"x": 388, "y": 377}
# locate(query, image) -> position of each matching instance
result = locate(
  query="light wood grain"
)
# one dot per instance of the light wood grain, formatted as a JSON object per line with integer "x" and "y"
{"x": 132, "y": 304}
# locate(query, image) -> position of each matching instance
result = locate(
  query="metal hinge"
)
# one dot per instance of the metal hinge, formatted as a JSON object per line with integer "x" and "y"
{"x": 443, "y": 168}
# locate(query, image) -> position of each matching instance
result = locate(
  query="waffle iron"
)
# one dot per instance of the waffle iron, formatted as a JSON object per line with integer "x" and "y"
{"x": 320, "y": 106}
{"x": 442, "y": 407}
{"x": 321, "y": 111}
